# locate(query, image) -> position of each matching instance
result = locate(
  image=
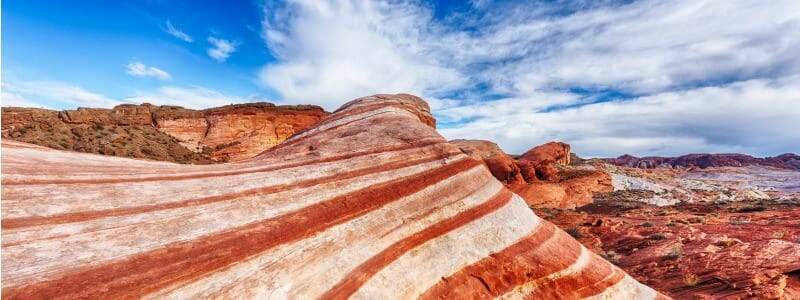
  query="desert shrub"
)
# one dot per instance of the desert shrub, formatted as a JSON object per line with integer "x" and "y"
{"x": 575, "y": 232}
{"x": 713, "y": 215}
{"x": 648, "y": 224}
{"x": 97, "y": 127}
{"x": 611, "y": 257}
{"x": 726, "y": 242}
{"x": 777, "y": 234}
{"x": 671, "y": 224}
{"x": 739, "y": 221}
{"x": 677, "y": 251}
{"x": 697, "y": 220}
{"x": 751, "y": 208}
{"x": 63, "y": 145}
{"x": 658, "y": 236}
{"x": 691, "y": 280}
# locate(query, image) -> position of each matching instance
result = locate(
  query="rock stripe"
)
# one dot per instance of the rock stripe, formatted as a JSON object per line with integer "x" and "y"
{"x": 16, "y": 223}
{"x": 220, "y": 174}
{"x": 365, "y": 271}
{"x": 185, "y": 261}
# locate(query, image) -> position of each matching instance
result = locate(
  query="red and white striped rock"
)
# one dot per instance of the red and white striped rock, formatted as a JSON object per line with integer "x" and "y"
{"x": 371, "y": 203}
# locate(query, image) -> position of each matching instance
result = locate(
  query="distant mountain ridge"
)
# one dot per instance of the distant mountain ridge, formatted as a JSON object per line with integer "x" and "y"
{"x": 789, "y": 161}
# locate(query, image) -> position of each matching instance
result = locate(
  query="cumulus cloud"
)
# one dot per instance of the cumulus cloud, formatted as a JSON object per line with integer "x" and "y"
{"x": 332, "y": 52}
{"x": 45, "y": 93}
{"x": 139, "y": 69}
{"x": 222, "y": 49}
{"x": 754, "y": 116}
{"x": 196, "y": 97}
{"x": 608, "y": 76}
{"x": 177, "y": 33}
{"x": 18, "y": 100}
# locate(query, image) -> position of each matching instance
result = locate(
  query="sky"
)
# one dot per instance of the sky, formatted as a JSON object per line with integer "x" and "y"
{"x": 666, "y": 77}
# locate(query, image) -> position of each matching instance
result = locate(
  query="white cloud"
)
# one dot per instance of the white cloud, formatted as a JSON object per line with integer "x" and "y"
{"x": 60, "y": 95}
{"x": 18, "y": 100}
{"x": 333, "y": 52}
{"x": 222, "y": 48}
{"x": 139, "y": 69}
{"x": 497, "y": 71}
{"x": 177, "y": 33}
{"x": 196, "y": 97}
{"x": 49, "y": 93}
{"x": 755, "y": 116}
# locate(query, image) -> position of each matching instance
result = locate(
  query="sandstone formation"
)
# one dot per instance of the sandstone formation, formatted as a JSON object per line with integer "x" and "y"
{"x": 560, "y": 185}
{"x": 785, "y": 161}
{"x": 502, "y": 166}
{"x": 543, "y": 157}
{"x": 172, "y": 133}
{"x": 574, "y": 187}
{"x": 369, "y": 203}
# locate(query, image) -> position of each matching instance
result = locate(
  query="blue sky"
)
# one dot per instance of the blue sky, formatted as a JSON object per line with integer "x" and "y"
{"x": 609, "y": 77}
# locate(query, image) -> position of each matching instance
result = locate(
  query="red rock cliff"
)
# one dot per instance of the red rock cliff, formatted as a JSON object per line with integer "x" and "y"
{"x": 228, "y": 133}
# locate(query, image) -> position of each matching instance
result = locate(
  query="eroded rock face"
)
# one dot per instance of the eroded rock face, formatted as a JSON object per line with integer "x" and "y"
{"x": 350, "y": 207}
{"x": 575, "y": 187}
{"x": 502, "y": 166}
{"x": 543, "y": 157}
{"x": 228, "y": 133}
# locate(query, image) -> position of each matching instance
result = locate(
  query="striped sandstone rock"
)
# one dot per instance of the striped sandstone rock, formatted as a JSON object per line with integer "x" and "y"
{"x": 370, "y": 203}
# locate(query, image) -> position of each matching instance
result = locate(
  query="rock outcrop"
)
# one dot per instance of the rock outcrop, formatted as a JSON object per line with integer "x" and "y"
{"x": 542, "y": 176}
{"x": 789, "y": 161}
{"x": 228, "y": 133}
{"x": 573, "y": 188}
{"x": 543, "y": 157}
{"x": 502, "y": 166}
{"x": 351, "y": 207}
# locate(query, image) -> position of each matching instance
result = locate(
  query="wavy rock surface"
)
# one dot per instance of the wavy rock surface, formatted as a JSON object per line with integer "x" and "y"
{"x": 370, "y": 203}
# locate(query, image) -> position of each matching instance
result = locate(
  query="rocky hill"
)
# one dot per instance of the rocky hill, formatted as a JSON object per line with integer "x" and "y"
{"x": 785, "y": 161}
{"x": 167, "y": 133}
{"x": 544, "y": 176}
{"x": 369, "y": 203}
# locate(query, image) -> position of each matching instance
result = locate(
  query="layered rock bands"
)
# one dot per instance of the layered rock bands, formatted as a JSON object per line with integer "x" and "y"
{"x": 369, "y": 203}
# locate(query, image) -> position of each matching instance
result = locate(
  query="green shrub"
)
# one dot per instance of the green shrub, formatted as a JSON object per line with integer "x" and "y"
{"x": 658, "y": 236}
{"x": 575, "y": 232}
{"x": 751, "y": 208}
{"x": 648, "y": 224}
{"x": 691, "y": 280}
{"x": 677, "y": 251}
